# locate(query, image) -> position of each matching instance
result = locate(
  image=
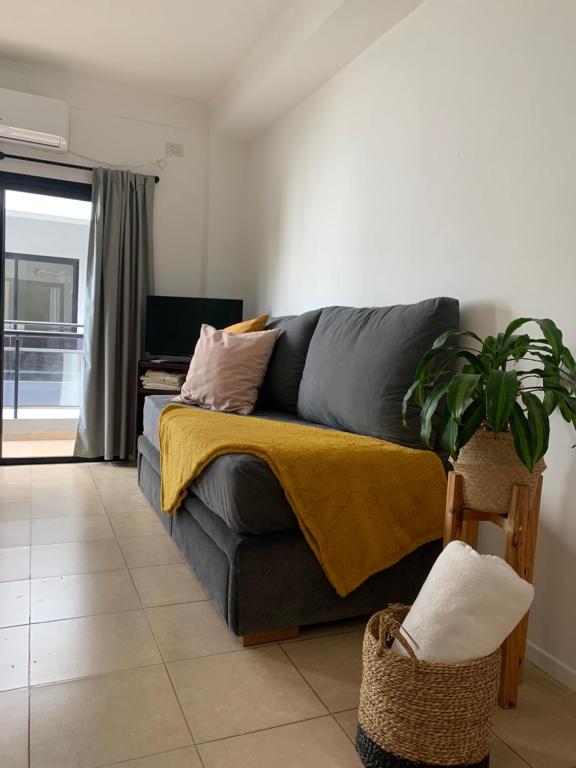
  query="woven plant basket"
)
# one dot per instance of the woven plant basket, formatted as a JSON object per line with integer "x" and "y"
{"x": 417, "y": 714}
{"x": 490, "y": 467}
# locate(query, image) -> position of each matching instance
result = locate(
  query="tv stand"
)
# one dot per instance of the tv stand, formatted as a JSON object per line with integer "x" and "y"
{"x": 157, "y": 363}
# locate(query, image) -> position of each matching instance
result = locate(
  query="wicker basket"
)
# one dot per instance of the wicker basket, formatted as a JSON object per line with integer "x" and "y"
{"x": 417, "y": 714}
{"x": 490, "y": 467}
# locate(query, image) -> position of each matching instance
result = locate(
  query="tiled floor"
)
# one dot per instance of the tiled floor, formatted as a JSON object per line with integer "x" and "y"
{"x": 110, "y": 654}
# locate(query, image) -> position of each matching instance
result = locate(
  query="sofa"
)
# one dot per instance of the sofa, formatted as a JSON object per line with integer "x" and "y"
{"x": 334, "y": 368}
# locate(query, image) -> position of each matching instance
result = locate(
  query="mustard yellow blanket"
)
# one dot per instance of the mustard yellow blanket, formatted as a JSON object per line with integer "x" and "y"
{"x": 362, "y": 503}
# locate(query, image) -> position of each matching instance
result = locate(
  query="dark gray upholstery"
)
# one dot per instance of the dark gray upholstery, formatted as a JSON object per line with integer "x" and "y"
{"x": 361, "y": 362}
{"x": 282, "y": 380}
{"x": 273, "y": 581}
{"x": 235, "y": 527}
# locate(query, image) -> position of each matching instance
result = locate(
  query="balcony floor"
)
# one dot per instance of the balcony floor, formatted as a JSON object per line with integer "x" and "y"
{"x": 27, "y": 449}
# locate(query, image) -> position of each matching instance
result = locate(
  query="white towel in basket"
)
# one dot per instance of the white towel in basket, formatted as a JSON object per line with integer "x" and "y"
{"x": 466, "y": 608}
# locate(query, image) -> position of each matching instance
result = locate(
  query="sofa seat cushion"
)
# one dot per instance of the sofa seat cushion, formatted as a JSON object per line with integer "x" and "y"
{"x": 361, "y": 362}
{"x": 238, "y": 487}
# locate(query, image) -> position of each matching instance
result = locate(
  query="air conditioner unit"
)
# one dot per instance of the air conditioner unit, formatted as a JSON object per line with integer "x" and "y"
{"x": 35, "y": 121}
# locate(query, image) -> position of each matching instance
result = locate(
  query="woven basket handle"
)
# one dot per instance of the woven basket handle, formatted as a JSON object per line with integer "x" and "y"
{"x": 391, "y": 629}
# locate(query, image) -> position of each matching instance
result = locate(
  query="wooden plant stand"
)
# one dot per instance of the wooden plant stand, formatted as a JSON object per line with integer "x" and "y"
{"x": 521, "y": 527}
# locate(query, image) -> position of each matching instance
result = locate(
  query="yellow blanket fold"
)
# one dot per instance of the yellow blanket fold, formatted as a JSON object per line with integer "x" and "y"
{"x": 362, "y": 503}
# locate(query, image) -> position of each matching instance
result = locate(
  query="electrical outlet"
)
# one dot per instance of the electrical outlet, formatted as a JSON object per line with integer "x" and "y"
{"x": 174, "y": 150}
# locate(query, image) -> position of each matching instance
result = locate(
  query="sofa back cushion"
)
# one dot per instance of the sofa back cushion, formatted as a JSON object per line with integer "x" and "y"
{"x": 361, "y": 362}
{"x": 282, "y": 380}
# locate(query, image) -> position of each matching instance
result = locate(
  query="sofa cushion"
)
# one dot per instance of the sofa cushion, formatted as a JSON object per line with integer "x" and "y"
{"x": 361, "y": 362}
{"x": 282, "y": 380}
{"x": 239, "y": 488}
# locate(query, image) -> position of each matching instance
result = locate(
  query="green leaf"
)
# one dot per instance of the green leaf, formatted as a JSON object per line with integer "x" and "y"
{"x": 489, "y": 346}
{"x": 522, "y": 436}
{"x": 568, "y": 360}
{"x": 459, "y": 392}
{"x": 428, "y": 411}
{"x": 565, "y": 409}
{"x": 515, "y": 324}
{"x": 517, "y": 346}
{"x": 426, "y": 365}
{"x": 448, "y": 435}
{"x": 443, "y": 338}
{"x": 472, "y": 419}
{"x": 550, "y": 399}
{"x": 539, "y": 424}
{"x": 501, "y": 391}
{"x": 406, "y": 401}
{"x": 553, "y": 336}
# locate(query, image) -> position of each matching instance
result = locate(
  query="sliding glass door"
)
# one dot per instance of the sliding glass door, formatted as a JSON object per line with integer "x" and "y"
{"x": 44, "y": 243}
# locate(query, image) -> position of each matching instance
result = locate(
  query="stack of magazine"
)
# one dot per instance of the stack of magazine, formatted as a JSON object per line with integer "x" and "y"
{"x": 166, "y": 380}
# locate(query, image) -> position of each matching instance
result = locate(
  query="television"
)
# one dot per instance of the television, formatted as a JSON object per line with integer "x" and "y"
{"x": 173, "y": 323}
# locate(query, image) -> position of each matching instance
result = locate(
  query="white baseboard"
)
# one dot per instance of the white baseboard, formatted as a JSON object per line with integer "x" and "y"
{"x": 551, "y": 665}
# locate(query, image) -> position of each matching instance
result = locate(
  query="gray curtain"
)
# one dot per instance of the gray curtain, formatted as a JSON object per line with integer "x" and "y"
{"x": 119, "y": 277}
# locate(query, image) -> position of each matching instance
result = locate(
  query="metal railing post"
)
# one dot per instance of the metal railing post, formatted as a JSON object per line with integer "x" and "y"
{"x": 16, "y": 373}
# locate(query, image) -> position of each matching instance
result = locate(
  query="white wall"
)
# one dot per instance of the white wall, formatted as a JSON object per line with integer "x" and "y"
{"x": 442, "y": 161}
{"x": 128, "y": 127}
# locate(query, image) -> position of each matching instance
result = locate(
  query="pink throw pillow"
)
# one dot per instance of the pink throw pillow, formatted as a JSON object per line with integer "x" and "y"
{"x": 227, "y": 370}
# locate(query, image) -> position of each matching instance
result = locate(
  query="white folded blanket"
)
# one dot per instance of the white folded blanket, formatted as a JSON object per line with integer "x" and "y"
{"x": 467, "y": 607}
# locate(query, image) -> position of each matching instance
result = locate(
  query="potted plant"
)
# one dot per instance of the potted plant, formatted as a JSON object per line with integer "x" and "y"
{"x": 494, "y": 413}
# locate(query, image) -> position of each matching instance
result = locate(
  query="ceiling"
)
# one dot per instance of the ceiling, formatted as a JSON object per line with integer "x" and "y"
{"x": 186, "y": 48}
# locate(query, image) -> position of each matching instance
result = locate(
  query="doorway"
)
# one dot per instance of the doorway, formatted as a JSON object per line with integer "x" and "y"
{"x": 44, "y": 230}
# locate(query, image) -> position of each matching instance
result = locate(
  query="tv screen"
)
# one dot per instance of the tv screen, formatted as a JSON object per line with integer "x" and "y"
{"x": 173, "y": 322}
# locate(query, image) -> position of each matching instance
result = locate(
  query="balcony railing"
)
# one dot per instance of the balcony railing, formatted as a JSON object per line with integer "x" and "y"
{"x": 42, "y": 364}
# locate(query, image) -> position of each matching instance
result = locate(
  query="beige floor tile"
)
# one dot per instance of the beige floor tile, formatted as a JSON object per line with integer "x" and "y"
{"x": 67, "y": 506}
{"x": 140, "y": 521}
{"x": 86, "y": 594}
{"x": 14, "y": 729}
{"x": 501, "y": 756}
{"x": 63, "y": 530}
{"x": 75, "y": 557}
{"x": 181, "y": 758}
{"x": 14, "y": 657}
{"x": 333, "y": 667}
{"x": 314, "y": 744}
{"x": 68, "y": 474}
{"x": 113, "y": 469}
{"x": 14, "y": 563}
{"x": 112, "y": 483}
{"x": 15, "y": 510}
{"x": 167, "y": 585}
{"x": 15, "y": 475}
{"x": 348, "y": 721}
{"x": 63, "y": 650}
{"x": 118, "y": 502}
{"x": 235, "y": 693}
{"x": 542, "y": 730}
{"x": 330, "y": 628}
{"x": 16, "y": 491}
{"x": 189, "y": 630}
{"x": 150, "y": 550}
{"x": 14, "y": 603}
{"x": 15, "y": 533}
{"x": 64, "y": 488}
{"x": 104, "y": 720}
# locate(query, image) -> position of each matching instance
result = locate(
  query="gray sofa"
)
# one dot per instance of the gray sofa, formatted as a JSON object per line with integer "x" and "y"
{"x": 335, "y": 368}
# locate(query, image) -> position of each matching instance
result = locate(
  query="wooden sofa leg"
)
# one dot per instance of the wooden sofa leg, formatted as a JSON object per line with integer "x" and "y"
{"x": 270, "y": 637}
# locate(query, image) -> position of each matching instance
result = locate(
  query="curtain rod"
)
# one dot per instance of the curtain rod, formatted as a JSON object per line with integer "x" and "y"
{"x": 6, "y": 156}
